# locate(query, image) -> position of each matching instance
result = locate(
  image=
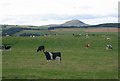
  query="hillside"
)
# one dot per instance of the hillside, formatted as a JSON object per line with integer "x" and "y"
{"x": 31, "y": 30}
{"x": 105, "y": 25}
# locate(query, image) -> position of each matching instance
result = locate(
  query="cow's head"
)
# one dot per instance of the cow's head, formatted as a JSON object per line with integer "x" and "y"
{"x": 41, "y": 48}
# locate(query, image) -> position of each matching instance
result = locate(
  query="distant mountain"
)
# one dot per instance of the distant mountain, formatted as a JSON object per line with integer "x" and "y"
{"x": 70, "y": 23}
{"x": 75, "y": 23}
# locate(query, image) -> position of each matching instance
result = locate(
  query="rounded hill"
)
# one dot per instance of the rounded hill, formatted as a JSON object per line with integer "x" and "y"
{"x": 74, "y": 23}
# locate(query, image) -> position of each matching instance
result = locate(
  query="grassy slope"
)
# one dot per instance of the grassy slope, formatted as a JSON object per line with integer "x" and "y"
{"x": 77, "y": 62}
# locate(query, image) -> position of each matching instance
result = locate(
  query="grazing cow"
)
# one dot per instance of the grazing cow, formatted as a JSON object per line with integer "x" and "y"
{"x": 2, "y": 47}
{"x": 87, "y": 35}
{"x": 109, "y": 47}
{"x": 41, "y": 48}
{"x": 53, "y": 56}
{"x": 108, "y": 38}
{"x": 77, "y": 35}
{"x": 87, "y": 45}
{"x": 6, "y": 47}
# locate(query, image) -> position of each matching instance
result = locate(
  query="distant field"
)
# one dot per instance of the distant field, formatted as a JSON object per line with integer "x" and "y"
{"x": 23, "y": 62}
{"x": 102, "y": 30}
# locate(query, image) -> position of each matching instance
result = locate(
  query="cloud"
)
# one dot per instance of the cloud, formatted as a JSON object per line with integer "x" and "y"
{"x": 101, "y": 20}
{"x": 45, "y": 19}
{"x": 57, "y": 11}
{"x": 70, "y": 7}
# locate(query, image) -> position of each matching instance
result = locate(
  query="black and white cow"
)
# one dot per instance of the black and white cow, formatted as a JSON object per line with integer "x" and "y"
{"x": 53, "y": 56}
{"x": 41, "y": 48}
{"x": 50, "y": 55}
{"x": 109, "y": 47}
{"x": 2, "y": 47}
{"x": 6, "y": 47}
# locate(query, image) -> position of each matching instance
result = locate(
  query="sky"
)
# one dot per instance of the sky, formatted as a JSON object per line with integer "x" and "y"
{"x": 44, "y": 12}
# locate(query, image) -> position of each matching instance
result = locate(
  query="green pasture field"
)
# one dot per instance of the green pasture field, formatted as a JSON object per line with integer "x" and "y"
{"x": 78, "y": 62}
{"x": 41, "y": 32}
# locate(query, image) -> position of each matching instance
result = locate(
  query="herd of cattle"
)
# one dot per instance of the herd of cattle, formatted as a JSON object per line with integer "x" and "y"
{"x": 50, "y": 55}
{"x": 57, "y": 55}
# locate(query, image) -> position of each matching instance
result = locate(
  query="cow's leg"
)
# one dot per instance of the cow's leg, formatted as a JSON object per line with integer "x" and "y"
{"x": 110, "y": 48}
{"x": 106, "y": 48}
{"x": 58, "y": 58}
{"x": 48, "y": 60}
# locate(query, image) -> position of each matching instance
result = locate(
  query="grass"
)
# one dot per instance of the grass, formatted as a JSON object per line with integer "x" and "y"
{"x": 40, "y": 32}
{"x": 23, "y": 62}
